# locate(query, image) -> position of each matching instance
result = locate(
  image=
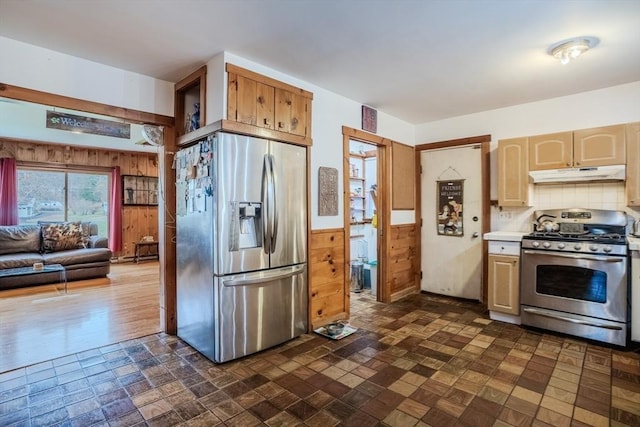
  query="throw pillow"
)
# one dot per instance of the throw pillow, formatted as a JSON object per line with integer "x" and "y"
{"x": 86, "y": 234}
{"x": 62, "y": 236}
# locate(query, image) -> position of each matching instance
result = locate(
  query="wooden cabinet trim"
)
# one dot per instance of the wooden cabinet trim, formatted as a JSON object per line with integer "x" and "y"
{"x": 245, "y": 129}
{"x": 230, "y": 68}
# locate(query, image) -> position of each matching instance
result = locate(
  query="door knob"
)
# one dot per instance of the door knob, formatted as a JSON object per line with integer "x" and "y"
{"x": 475, "y": 235}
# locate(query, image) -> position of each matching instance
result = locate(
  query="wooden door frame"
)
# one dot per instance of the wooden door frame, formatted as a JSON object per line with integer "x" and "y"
{"x": 383, "y": 145}
{"x": 166, "y": 206}
{"x": 485, "y": 171}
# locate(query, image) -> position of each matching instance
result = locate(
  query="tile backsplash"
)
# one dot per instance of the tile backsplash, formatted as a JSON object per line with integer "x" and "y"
{"x": 608, "y": 195}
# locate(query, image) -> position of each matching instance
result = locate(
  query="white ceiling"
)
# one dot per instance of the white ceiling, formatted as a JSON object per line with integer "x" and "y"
{"x": 417, "y": 60}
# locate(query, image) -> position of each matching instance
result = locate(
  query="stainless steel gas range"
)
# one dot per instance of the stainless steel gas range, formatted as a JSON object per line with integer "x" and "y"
{"x": 575, "y": 274}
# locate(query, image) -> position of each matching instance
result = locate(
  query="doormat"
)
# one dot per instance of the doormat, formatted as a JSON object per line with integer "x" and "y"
{"x": 348, "y": 330}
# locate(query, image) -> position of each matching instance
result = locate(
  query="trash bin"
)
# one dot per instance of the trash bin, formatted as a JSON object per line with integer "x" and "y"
{"x": 357, "y": 276}
{"x": 373, "y": 268}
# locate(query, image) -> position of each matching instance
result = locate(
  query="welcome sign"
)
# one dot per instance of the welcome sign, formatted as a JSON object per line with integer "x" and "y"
{"x": 80, "y": 124}
{"x": 450, "y": 196}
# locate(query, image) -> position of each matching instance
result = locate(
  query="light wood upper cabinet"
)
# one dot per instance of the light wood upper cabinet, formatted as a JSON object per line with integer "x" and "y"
{"x": 582, "y": 148}
{"x": 632, "y": 131}
{"x": 513, "y": 172}
{"x": 599, "y": 146}
{"x": 245, "y": 100}
{"x": 265, "y": 107}
{"x": 265, "y": 102}
{"x": 504, "y": 284}
{"x": 291, "y": 112}
{"x": 552, "y": 151}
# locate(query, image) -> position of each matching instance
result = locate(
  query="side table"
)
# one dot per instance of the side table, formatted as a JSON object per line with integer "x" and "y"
{"x": 148, "y": 246}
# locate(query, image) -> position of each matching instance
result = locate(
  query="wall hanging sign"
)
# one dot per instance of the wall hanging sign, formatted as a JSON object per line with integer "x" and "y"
{"x": 450, "y": 196}
{"x": 327, "y": 191}
{"x": 80, "y": 124}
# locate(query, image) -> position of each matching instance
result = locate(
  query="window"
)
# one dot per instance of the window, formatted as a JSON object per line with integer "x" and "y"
{"x": 46, "y": 195}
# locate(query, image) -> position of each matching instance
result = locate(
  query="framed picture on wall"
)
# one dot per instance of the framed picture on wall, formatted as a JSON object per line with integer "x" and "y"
{"x": 139, "y": 190}
{"x": 369, "y": 119}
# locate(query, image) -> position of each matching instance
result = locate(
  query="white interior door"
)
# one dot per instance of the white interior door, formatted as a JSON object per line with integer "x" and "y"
{"x": 452, "y": 247}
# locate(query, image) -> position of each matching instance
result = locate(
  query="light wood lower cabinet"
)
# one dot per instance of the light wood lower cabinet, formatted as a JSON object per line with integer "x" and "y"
{"x": 504, "y": 284}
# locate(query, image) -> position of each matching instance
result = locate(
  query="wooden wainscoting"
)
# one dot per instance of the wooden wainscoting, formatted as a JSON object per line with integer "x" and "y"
{"x": 328, "y": 295}
{"x": 403, "y": 263}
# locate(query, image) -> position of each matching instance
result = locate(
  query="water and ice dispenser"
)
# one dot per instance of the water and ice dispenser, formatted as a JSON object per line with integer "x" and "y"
{"x": 246, "y": 225}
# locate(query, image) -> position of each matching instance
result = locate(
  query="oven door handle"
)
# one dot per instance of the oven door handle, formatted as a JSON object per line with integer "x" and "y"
{"x": 571, "y": 320}
{"x": 586, "y": 258}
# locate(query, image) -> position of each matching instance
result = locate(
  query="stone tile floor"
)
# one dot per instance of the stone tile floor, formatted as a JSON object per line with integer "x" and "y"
{"x": 423, "y": 361}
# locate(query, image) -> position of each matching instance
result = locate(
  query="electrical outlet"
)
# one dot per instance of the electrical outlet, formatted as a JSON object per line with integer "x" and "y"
{"x": 505, "y": 215}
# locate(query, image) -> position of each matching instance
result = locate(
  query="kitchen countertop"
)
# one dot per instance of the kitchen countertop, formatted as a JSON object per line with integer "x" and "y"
{"x": 634, "y": 243}
{"x": 510, "y": 236}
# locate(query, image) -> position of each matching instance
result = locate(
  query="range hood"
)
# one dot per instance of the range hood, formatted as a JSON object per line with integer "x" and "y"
{"x": 588, "y": 174}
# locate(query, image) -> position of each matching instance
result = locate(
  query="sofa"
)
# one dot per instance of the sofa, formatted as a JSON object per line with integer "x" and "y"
{"x": 74, "y": 245}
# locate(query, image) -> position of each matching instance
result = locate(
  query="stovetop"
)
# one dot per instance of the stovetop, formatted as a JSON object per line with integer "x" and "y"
{"x": 614, "y": 246}
{"x": 580, "y": 230}
{"x": 612, "y": 238}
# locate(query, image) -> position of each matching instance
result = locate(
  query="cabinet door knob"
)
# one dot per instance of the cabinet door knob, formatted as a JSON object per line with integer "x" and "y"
{"x": 280, "y": 124}
{"x": 266, "y": 121}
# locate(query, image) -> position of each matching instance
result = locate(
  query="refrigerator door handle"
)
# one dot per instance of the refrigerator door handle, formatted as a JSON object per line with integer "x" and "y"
{"x": 274, "y": 229}
{"x": 266, "y": 209}
{"x": 269, "y": 276}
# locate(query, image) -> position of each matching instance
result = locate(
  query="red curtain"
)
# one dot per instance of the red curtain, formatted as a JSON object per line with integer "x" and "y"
{"x": 115, "y": 212}
{"x": 8, "y": 191}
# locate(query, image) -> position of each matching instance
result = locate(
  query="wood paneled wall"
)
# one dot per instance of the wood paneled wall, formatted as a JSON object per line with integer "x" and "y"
{"x": 328, "y": 289}
{"x": 137, "y": 221}
{"x": 403, "y": 264}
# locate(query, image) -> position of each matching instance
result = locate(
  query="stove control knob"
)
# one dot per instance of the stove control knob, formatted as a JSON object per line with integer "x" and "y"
{"x": 577, "y": 246}
{"x": 535, "y": 244}
{"x": 546, "y": 245}
{"x": 593, "y": 248}
{"x": 607, "y": 249}
{"x": 561, "y": 245}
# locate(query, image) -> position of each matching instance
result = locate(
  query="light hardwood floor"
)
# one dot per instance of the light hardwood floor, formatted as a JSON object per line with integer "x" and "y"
{"x": 42, "y": 323}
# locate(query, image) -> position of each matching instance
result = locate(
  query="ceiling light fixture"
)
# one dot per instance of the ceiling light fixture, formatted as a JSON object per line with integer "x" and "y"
{"x": 567, "y": 50}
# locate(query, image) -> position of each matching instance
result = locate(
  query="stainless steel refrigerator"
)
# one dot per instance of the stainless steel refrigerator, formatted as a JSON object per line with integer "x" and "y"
{"x": 241, "y": 244}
